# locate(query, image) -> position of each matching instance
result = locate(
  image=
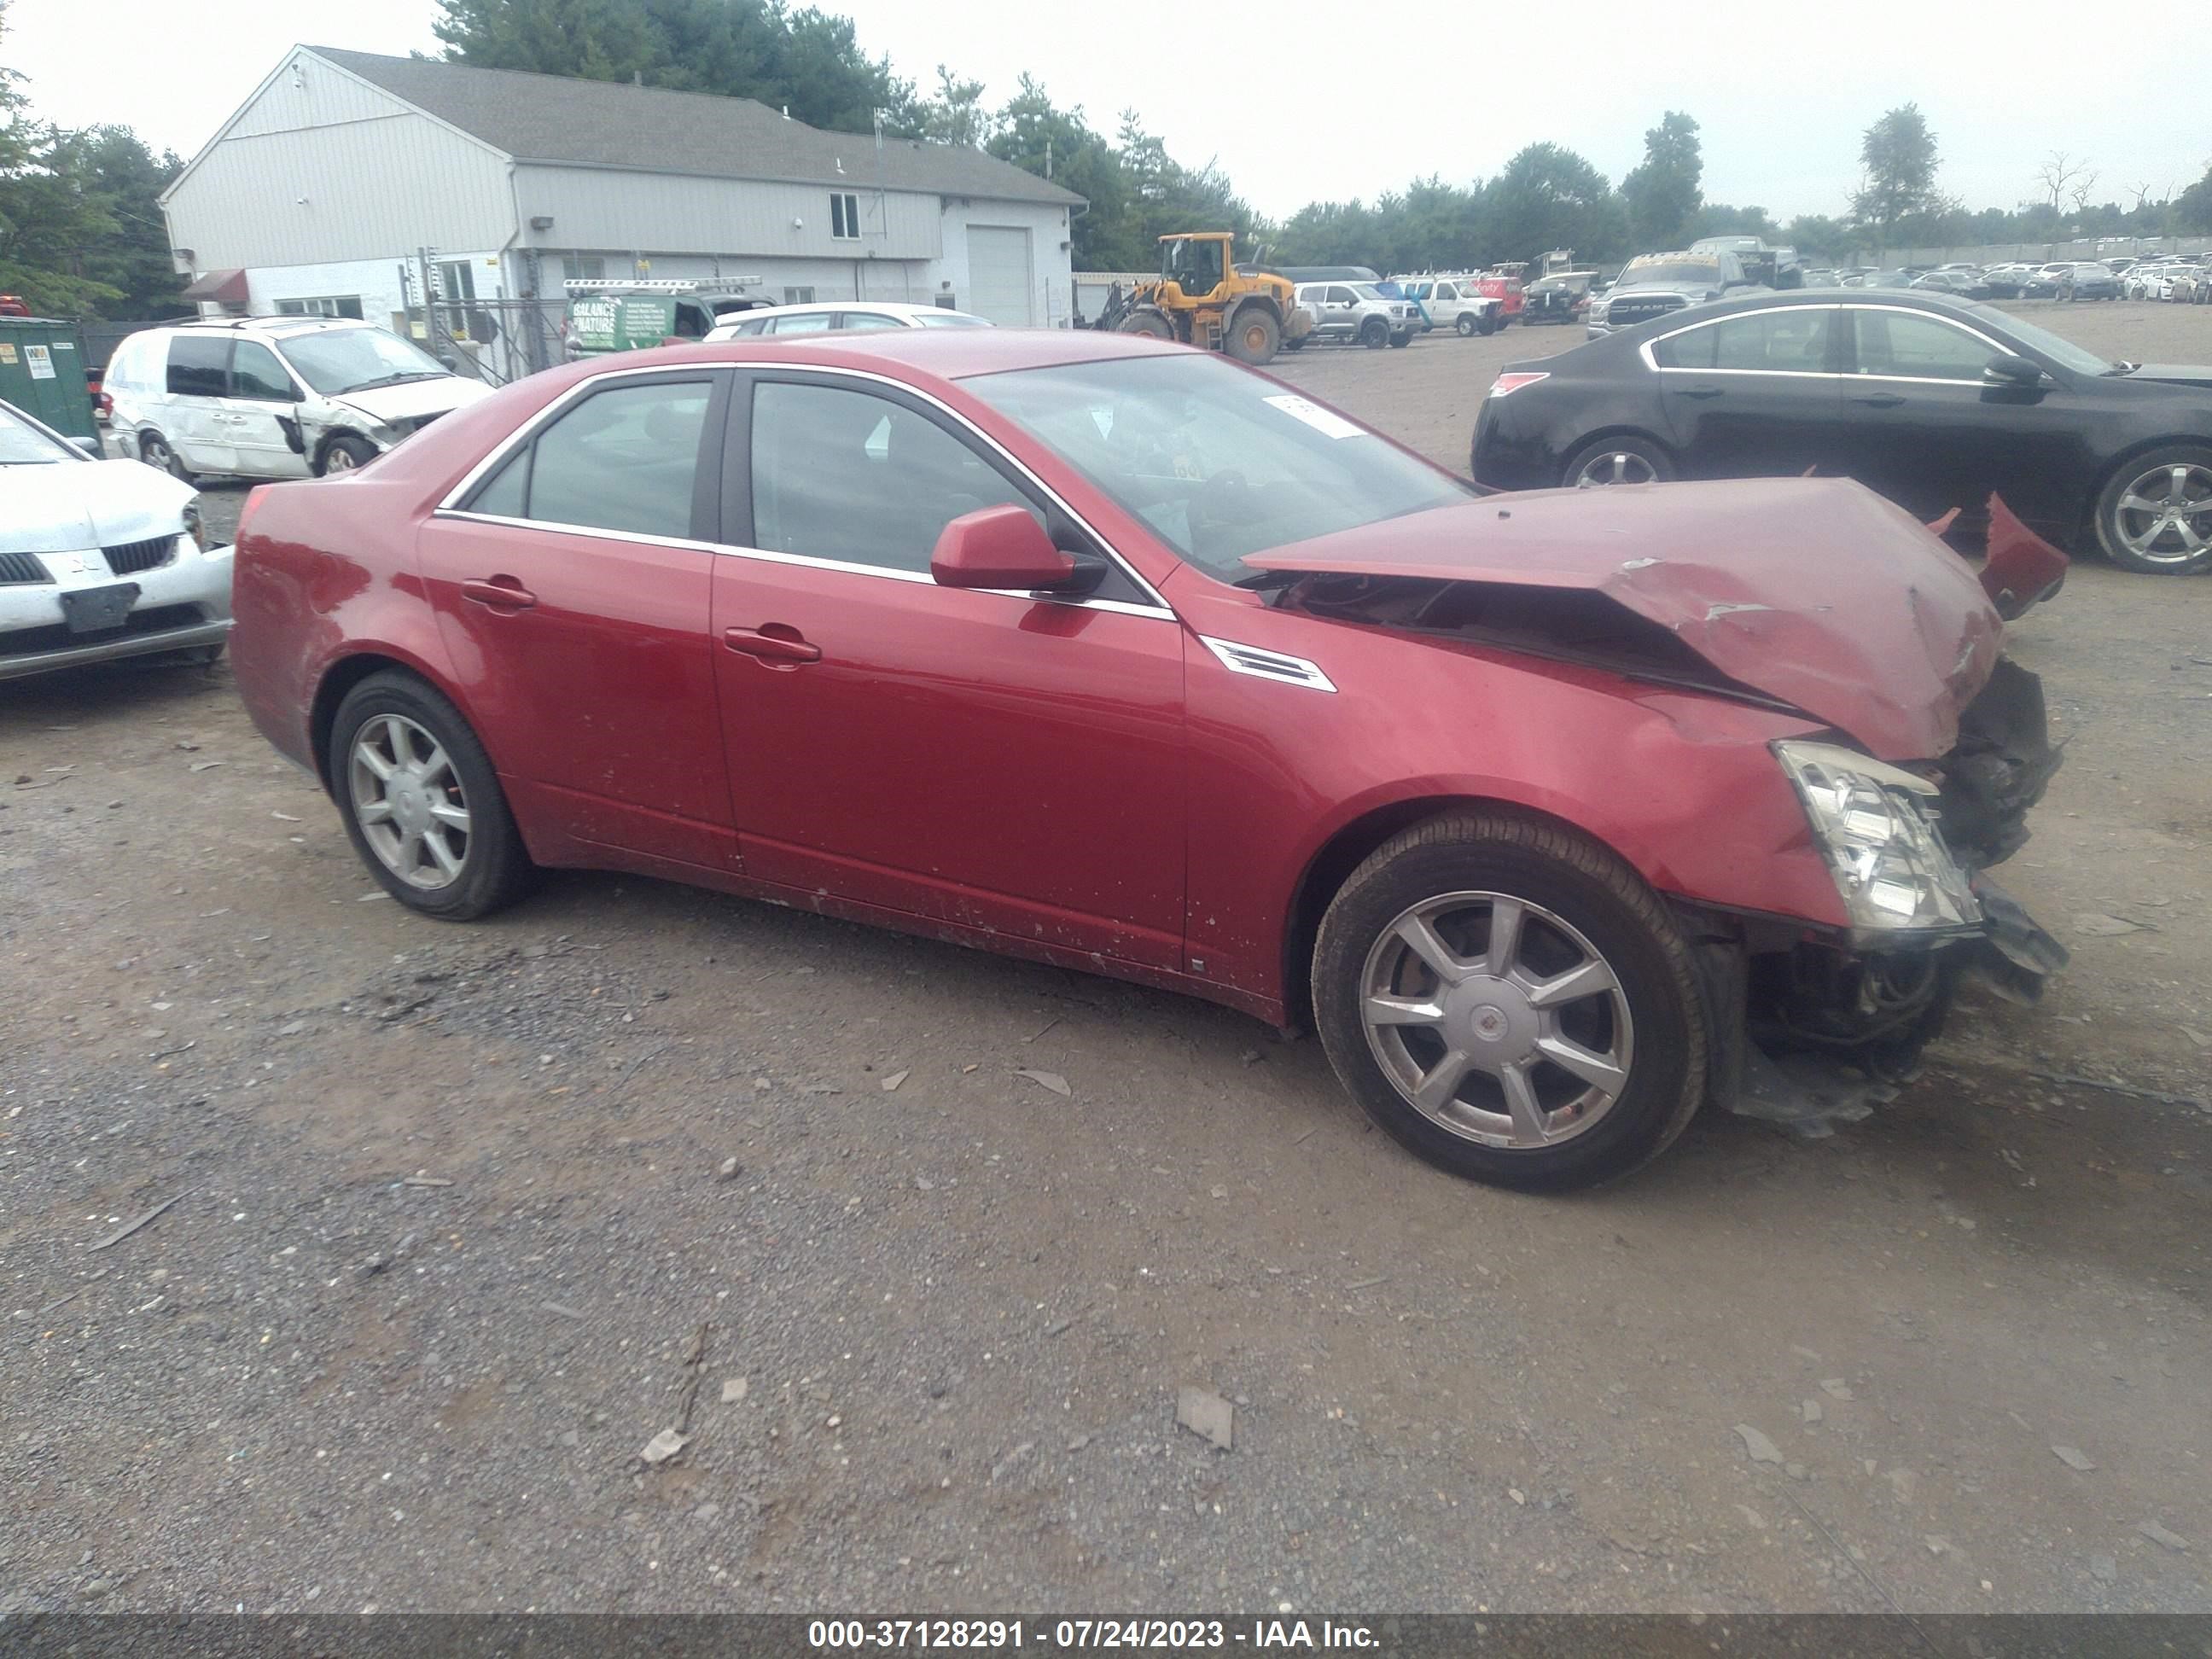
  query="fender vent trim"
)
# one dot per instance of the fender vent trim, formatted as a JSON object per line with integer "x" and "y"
{"x": 1268, "y": 665}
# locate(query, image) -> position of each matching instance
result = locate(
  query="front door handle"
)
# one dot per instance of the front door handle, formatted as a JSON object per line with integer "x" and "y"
{"x": 1880, "y": 400}
{"x": 1699, "y": 391}
{"x": 498, "y": 593}
{"x": 772, "y": 642}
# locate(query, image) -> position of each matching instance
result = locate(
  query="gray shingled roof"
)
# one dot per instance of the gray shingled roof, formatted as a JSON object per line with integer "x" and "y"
{"x": 556, "y": 118}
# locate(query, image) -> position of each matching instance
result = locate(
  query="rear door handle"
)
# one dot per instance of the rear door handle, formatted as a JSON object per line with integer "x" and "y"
{"x": 1880, "y": 400}
{"x": 1699, "y": 391}
{"x": 772, "y": 642}
{"x": 500, "y": 593}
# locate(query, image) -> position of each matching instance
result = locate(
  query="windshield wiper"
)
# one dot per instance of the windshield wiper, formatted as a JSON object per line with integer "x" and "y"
{"x": 2123, "y": 367}
{"x": 395, "y": 380}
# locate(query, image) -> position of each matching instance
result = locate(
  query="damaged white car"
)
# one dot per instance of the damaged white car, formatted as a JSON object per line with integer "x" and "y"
{"x": 274, "y": 396}
{"x": 99, "y": 559}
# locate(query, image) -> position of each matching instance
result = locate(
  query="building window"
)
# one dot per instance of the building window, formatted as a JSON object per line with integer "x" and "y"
{"x": 845, "y": 218}
{"x": 583, "y": 268}
{"x": 798, "y": 296}
{"x": 330, "y": 305}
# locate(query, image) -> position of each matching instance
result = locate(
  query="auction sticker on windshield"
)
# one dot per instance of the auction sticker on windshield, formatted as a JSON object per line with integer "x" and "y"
{"x": 1322, "y": 421}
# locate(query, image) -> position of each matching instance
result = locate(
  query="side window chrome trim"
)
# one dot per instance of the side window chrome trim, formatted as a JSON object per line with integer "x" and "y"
{"x": 768, "y": 555}
{"x": 829, "y": 372}
{"x": 449, "y": 503}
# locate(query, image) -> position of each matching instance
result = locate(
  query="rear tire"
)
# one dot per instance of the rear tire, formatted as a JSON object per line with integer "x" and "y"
{"x": 441, "y": 800}
{"x": 154, "y": 450}
{"x": 1619, "y": 461}
{"x": 1402, "y": 339}
{"x": 1506, "y": 1084}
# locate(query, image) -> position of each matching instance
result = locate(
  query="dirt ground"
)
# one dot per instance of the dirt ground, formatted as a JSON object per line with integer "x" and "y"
{"x": 447, "y": 1227}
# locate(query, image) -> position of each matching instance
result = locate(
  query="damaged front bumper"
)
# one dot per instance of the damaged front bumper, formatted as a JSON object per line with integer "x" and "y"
{"x": 1811, "y": 1028}
{"x": 1816, "y": 1025}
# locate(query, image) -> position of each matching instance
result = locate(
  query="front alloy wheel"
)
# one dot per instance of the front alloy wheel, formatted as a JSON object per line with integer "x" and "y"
{"x": 1512, "y": 1002}
{"x": 2155, "y": 516}
{"x": 1498, "y": 1020}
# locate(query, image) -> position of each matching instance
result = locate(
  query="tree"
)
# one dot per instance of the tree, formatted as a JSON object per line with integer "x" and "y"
{"x": 2192, "y": 209}
{"x": 1815, "y": 235}
{"x": 1038, "y": 136}
{"x": 806, "y": 61}
{"x": 1547, "y": 196}
{"x": 2060, "y": 175}
{"x": 1663, "y": 193}
{"x": 956, "y": 115}
{"x": 1718, "y": 219}
{"x": 1899, "y": 184}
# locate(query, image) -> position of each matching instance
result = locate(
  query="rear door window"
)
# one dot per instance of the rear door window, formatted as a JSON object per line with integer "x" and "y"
{"x": 624, "y": 459}
{"x": 810, "y": 322}
{"x": 1791, "y": 342}
{"x": 864, "y": 322}
{"x": 200, "y": 365}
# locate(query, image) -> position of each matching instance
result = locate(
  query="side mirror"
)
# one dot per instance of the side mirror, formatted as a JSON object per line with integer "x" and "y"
{"x": 1004, "y": 547}
{"x": 2013, "y": 373}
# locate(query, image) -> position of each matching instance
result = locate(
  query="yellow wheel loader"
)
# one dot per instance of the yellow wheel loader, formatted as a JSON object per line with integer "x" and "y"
{"x": 1201, "y": 299}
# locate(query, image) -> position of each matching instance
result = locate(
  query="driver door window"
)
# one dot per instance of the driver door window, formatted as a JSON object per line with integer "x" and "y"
{"x": 1898, "y": 344}
{"x": 845, "y": 475}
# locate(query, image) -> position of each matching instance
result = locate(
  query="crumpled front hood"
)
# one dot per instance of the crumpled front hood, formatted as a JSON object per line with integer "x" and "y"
{"x": 1814, "y": 591}
{"x": 70, "y": 506}
{"x": 410, "y": 400}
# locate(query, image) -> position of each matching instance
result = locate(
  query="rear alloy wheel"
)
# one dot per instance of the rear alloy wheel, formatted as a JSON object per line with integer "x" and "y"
{"x": 1254, "y": 335}
{"x": 1510, "y": 1002}
{"x": 1611, "y": 461}
{"x": 2155, "y": 515}
{"x": 422, "y": 805}
{"x": 1375, "y": 334}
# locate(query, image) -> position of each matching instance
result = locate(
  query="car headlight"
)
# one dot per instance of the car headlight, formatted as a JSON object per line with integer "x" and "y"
{"x": 193, "y": 527}
{"x": 1883, "y": 847}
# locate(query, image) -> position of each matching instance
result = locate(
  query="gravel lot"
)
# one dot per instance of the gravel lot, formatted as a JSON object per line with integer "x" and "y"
{"x": 449, "y": 1240}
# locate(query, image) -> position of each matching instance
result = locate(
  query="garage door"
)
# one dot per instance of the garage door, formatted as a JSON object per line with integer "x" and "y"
{"x": 999, "y": 275}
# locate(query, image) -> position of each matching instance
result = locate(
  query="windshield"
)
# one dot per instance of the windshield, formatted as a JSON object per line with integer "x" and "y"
{"x": 338, "y": 361}
{"x": 1217, "y": 462}
{"x": 1369, "y": 291}
{"x": 1671, "y": 270}
{"x": 22, "y": 444}
{"x": 2065, "y": 353}
{"x": 950, "y": 319}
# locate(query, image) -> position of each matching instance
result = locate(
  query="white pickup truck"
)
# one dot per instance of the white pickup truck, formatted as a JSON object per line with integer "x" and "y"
{"x": 1453, "y": 302}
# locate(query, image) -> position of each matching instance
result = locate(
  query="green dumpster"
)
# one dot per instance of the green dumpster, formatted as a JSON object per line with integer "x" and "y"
{"x": 42, "y": 373}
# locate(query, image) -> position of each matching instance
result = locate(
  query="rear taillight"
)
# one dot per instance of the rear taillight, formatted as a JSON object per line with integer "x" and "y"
{"x": 1505, "y": 385}
{"x": 245, "y": 513}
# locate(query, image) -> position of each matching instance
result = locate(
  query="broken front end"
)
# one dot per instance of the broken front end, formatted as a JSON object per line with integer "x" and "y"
{"x": 1818, "y": 1025}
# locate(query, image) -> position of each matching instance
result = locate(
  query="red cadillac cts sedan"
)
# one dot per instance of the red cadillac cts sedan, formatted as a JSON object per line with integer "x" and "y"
{"x": 1555, "y": 814}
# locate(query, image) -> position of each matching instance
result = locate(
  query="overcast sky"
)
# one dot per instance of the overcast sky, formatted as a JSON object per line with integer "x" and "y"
{"x": 1318, "y": 98}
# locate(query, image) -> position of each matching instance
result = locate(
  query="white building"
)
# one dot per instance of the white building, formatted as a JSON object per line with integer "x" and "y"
{"x": 320, "y": 193}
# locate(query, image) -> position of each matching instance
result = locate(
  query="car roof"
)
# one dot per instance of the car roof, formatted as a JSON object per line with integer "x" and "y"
{"x": 883, "y": 307}
{"x": 266, "y": 324}
{"x": 945, "y": 354}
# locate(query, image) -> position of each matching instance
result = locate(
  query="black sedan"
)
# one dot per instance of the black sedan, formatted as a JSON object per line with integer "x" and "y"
{"x": 1933, "y": 402}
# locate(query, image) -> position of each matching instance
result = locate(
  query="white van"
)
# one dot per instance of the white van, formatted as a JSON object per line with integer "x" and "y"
{"x": 274, "y": 396}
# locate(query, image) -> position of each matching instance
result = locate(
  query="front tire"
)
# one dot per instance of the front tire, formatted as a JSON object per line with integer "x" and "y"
{"x": 346, "y": 453}
{"x": 1375, "y": 334}
{"x": 421, "y": 804}
{"x": 1511, "y": 1003}
{"x": 1612, "y": 461}
{"x": 1468, "y": 327}
{"x": 2154, "y": 515}
{"x": 1254, "y": 335}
